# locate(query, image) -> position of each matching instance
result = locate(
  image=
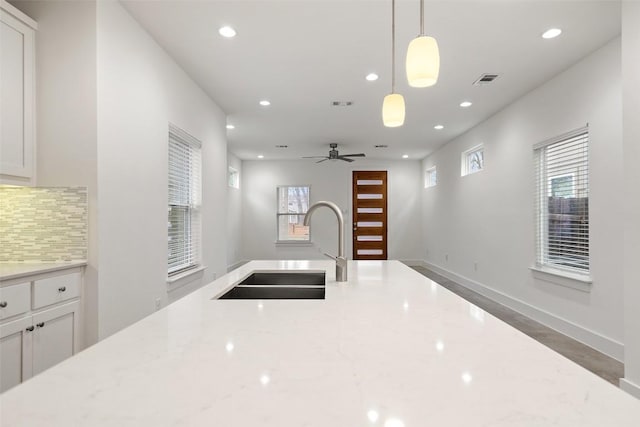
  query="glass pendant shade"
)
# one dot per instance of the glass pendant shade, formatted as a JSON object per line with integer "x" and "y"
{"x": 393, "y": 110}
{"x": 423, "y": 62}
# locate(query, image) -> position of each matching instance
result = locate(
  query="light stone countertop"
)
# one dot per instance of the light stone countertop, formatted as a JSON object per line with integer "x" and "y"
{"x": 14, "y": 270}
{"x": 390, "y": 348}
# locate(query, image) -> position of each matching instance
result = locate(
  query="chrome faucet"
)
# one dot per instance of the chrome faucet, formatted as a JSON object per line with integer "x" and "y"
{"x": 341, "y": 261}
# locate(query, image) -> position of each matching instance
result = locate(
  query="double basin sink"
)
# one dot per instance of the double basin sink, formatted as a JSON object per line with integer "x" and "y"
{"x": 279, "y": 285}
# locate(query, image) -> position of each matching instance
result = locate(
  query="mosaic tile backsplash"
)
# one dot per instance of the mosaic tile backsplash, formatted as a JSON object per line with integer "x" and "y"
{"x": 43, "y": 224}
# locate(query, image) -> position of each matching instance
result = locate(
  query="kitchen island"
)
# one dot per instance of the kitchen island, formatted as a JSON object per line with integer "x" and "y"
{"x": 389, "y": 348}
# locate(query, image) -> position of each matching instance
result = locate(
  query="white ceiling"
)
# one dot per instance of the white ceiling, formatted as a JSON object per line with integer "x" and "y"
{"x": 302, "y": 55}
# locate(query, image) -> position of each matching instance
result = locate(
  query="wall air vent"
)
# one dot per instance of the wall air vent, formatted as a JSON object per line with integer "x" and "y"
{"x": 282, "y": 146}
{"x": 341, "y": 103}
{"x": 381, "y": 146}
{"x": 485, "y": 79}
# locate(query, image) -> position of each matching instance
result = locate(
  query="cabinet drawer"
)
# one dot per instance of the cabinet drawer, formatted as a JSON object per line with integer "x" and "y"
{"x": 15, "y": 299}
{"x": 55, "y": 289}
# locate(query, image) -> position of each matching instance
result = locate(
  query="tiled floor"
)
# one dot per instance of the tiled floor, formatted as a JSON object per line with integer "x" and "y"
{"x": 596, "y": 362}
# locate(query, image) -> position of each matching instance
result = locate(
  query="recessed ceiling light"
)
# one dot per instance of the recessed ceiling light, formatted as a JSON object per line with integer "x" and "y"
{"x": 231, "y": 127}
{"x": 405, "y": 156}
{"x": 465, "y": 104}
{"x": 260, "y": 156}
{"x": 265, "y": 103}
{"x": 227, "y": 32}
{"x": 372, "y": 77}
{"x": 551, "y": 33}
{"x": 438, "y": 127}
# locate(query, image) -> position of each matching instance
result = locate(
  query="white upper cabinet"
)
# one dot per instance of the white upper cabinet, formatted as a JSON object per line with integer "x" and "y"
{"x": 17, "y": 94}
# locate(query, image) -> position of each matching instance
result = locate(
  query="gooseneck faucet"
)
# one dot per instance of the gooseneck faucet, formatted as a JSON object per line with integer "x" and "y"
{"x": 341, "y": 261}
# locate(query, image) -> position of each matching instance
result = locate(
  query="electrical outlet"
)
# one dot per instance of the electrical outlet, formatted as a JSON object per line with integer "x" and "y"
{"x": 446, "y": 257}
{"x": 475, "y": 265}
{"x": 158, "y": 303}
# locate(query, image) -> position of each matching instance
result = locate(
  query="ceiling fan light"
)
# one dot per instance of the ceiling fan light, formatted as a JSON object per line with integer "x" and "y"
{"x": 393, "y": 110}
{"x": 423, "y": 62}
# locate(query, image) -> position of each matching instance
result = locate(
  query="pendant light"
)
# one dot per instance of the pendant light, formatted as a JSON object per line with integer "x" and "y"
{"x": 393, "y": 105}
{"x": 423, "y": 58}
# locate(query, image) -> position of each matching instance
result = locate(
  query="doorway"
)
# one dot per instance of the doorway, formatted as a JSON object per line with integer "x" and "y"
{"x": 370, "y": 215}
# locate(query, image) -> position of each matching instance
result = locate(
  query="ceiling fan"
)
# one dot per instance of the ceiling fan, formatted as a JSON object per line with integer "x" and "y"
{"x": 333, "y": 155}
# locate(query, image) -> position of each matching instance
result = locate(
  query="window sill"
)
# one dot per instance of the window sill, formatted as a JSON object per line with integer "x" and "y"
{"x": 293, "y": 243}
{"x": 580, "y": 282}
{"x": 188, "y": 276}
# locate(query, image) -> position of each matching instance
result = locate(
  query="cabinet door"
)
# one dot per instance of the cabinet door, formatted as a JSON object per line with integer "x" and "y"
{"x": 15, "y": 352}
{"x": 54, "y": 338}
{"x": 16, "y": 102}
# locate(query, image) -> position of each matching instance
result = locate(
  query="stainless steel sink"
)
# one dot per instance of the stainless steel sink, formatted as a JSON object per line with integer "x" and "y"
{"x": 279, "y": 285}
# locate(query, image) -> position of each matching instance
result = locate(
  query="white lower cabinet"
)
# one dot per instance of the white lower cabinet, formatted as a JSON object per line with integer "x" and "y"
{"x": 36, "y": 340}
{"x": 15, "y": 352}
{"x": 53, "y": 337}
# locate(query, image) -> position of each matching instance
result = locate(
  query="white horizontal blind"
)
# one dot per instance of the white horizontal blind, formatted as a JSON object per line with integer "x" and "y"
{"x": 562, "y": 202}
{"x": 184, "y": 201}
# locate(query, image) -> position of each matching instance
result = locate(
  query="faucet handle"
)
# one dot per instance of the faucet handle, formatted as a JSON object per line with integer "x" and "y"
{"x": 331, "y": 256}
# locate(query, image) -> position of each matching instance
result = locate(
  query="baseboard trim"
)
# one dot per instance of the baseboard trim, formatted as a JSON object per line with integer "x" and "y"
{"x": 236, "y": 265}
{"x": 586, "y": 336}
{"x": 630, "y": 387}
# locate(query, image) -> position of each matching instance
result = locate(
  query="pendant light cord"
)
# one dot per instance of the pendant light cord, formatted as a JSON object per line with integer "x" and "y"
{"x": 393, "y": 46}
{"x": 422, "y": 17}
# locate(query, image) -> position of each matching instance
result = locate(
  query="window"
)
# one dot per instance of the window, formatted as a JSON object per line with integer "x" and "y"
{"x": 233, "y": 178}
{"x": 293, "y": 203}
{"x": 562, "y": 202}
{"x": 430, "y": 177}
{"x": 184, "y": 201}
{"x": 473, "y": 160}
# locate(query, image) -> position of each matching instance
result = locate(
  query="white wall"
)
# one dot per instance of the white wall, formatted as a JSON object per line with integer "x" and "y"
{"x": 234, "y": 216}
{"x": 329, "y": 181}
{"x": 631, "y": 132}
{"x": 488, "y": 217}
{"x": 140, "y": 90}
{"x": 66, "y": 115}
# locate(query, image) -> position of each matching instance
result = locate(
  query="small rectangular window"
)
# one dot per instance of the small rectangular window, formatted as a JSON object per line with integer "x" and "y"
{"x": 293, "y": 203}
{"x": 233, "y": 178}
{"x": 184, "y": 201}
{"x": 473, "y": 160}
{"x": 562, "y": 202}
{"x": 430, "y": 177}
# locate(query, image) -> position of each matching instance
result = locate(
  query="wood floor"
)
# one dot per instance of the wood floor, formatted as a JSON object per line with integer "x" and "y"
{"x": 585, "y": 356}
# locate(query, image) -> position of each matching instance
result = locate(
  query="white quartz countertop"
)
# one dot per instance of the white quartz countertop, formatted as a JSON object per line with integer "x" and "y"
{"x": 390, "y": 348}
{"x": 14, "y": 270}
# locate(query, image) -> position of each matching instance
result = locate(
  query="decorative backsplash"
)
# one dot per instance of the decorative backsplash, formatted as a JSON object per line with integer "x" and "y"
{"x": 43, "y": 224}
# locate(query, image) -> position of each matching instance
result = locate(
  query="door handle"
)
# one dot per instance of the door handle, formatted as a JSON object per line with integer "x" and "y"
{"x": 30, "y": 329}
{"x": 40, "y": 325}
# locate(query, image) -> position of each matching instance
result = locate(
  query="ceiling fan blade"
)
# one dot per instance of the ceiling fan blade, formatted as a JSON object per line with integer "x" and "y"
{"x": 345, "y": 159}
{"x": 353, "y": 155}
{"x": 323, "y": 160}
{"x": 315, "y": 157}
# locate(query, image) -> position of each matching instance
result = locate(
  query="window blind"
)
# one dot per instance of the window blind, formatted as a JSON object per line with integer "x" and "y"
{"x": 562, "y": 202}
{"x": 184, "y": 201}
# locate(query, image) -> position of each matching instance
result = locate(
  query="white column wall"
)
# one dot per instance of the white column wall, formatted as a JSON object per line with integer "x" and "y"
{"x": 479, "y": 229}
{"x": 329, "y": 181}
{"x": 631, "y": 191}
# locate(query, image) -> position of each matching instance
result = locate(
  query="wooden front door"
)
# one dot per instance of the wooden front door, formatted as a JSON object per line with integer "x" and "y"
{"x": 369, "y": 214}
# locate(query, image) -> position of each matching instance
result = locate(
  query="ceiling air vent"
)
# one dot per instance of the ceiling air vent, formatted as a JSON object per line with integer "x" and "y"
{"x": 485, "y": 79}
{"x": 282, "y": 146}
{"x": 381, "y": 146}
{"x": 341, "y": 103}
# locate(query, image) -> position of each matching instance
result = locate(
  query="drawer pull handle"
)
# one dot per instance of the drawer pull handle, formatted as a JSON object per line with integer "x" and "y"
{"x": 30, "y": 329}
{"x": 40, "y": 325}
{"x": 62, "y": 288}
{"x": 3, "y": 304}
